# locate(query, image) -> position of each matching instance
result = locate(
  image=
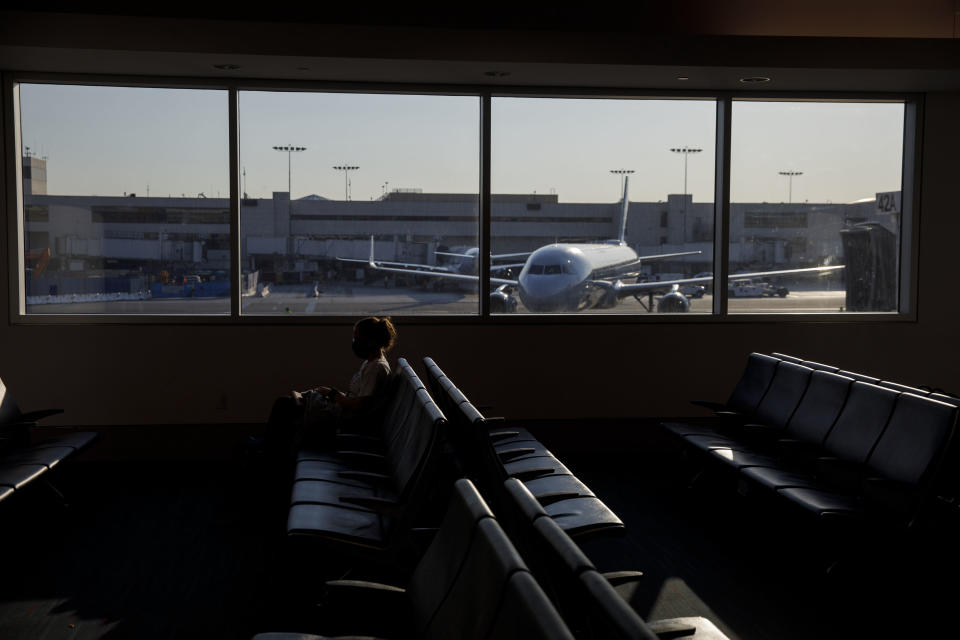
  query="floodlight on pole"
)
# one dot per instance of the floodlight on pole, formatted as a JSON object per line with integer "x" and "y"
{"x": 346, "y": 178}
{"x": 623, "y": 173}
{"x": 790, "y": 175}
{"x": 686, "y": 151}
{"x": 290, "y": 149}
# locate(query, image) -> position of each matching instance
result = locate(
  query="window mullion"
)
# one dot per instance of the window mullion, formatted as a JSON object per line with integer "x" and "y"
{"x": 236, "y": 273}
{"x": 484, "y": 289}
{"x": 721, "y": 236}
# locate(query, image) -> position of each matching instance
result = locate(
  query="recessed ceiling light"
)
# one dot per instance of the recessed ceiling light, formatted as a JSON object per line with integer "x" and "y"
{"x": 496, "y": 74}
{"x": 682, "y": 78}
{"x": 226, "y": 67}
{"x": 754, "y": 79}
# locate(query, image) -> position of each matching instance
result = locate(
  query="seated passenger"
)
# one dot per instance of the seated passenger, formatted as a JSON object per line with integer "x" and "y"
{"x": 314, "y": 415}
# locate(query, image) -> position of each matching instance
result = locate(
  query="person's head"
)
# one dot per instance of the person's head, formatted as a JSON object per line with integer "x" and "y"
{"x": 373, "y": 336}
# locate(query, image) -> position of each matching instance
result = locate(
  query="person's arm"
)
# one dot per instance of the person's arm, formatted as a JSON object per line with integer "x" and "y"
{"x": 347, "y": 402}
{"x": 371, "y": 382}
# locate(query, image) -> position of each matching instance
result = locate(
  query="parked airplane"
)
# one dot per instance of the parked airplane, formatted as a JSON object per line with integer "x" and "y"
{"x": 569, "y": 277}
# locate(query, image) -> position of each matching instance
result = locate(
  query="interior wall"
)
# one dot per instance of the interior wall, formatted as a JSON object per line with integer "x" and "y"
{"x": 129, "y": 375}
{"x": 142, "y": 374}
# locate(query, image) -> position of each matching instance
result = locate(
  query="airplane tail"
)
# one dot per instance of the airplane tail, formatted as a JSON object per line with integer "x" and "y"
{"x": 623, "y": 211}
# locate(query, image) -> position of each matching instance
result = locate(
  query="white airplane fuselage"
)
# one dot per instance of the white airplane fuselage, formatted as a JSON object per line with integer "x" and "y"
{"x": 564, "y": 277}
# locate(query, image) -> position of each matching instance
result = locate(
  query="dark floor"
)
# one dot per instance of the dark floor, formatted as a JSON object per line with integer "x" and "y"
{"x": 174, "y": 550}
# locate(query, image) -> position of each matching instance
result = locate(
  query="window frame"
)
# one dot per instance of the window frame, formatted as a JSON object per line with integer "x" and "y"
{"x": 11, "y": 192}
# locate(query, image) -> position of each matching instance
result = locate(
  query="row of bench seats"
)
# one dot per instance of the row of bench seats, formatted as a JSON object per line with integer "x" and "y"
{"x": 839, "y": 445}
{"x": 23, "y": 461}
{"x": 490, "y": 451}
{"x": 470, "y": 583}
{"x": 591, "y": 604}
{"x": 364, "y": 494}
{"x": 369, "y": 494}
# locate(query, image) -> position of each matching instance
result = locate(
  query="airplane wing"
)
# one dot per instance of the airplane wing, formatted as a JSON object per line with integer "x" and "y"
{"x": 437, "y": 274}
{"x": 420, "y": 269}
{"x": 399, "y": 265}
{"x": 504, "y": 256}
{"x": 644, "y": 287}
{"x": 664, "y": 256}
{"x": 493, "y": 256}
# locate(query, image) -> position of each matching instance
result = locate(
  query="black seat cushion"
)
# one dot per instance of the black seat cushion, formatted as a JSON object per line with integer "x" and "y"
{"x": 861, "y": 422}
{"x": 776, "y": 478}
{"x": 820, "y": 407}
{"x": 354, "y": 526}
{"x": 18, "y": 476}
{"x": 820, "y": 502}
{"x": 915, "y": 435}
{"x": 782, "y": 397}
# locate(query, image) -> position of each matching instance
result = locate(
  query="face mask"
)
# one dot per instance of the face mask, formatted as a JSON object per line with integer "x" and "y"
{"x": 360, "y": 348}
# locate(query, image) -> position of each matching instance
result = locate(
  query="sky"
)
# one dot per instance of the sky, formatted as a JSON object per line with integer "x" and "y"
{"x": 160, "y": 142}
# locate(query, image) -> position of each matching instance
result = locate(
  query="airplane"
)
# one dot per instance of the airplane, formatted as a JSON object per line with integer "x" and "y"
{"x": 572, "y": 277}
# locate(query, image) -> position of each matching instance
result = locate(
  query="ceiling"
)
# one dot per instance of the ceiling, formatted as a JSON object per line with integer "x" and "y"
{"x": 648, "y": 47}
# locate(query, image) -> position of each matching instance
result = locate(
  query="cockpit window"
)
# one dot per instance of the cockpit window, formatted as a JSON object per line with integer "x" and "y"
{"x": 553, "y": 269}
{"x": 536, "y": 269}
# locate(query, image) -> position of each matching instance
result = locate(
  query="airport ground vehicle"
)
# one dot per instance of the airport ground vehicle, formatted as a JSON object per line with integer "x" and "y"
{"x": 749, "y": 288}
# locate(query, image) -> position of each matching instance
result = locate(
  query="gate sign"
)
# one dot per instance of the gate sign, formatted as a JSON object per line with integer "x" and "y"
{"x": 888, "y": 202}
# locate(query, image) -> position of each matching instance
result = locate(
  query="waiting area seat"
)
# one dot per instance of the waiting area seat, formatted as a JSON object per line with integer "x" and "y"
{"x": 470, "y": 583}
{"x": 851, "y": 451}
{"x": 566, "y": 498}
{"x": 366, "y": 502}
{"x": 587, "y": 599}
{"x": 23, "y": 459}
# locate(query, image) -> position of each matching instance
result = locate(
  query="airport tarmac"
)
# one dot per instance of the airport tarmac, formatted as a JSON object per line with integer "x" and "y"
{"x": 293, "y": 300}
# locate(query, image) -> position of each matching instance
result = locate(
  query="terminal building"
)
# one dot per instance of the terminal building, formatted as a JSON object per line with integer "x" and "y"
{"x": 137, "y": 238}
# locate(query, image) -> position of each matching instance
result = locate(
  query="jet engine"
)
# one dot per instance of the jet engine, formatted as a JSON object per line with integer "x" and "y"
{"x": 673, "y": 302}
{"x": 502, "y": 300}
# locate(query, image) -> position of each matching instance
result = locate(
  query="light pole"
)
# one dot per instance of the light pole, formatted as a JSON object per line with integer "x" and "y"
{"x": 290, "y": 149}
{"x": 686, "y": 151}
{"x": 790, "y": 175}
{"x": 346, "y": 178}
{"x": 623, "y": 173}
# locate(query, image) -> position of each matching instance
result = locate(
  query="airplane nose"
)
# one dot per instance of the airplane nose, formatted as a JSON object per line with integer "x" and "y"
{"x": 547, "y": 296}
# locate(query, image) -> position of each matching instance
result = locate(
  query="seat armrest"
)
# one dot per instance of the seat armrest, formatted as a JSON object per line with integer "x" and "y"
{"x": 760, "y": 430}
{"x": 667, "y": 629}
{"x": 707, "y": 404}
{"x": 363, "y": 475}
{"x": 362, "y": 455}
{"x": 622, "y": 577}
{"x": 34, "y": 416}
{"x": 355, "y": 440}
{"x": 530, "y": 474}
{"x": 496, "y": 436}
{"x": 556, "y": 496}
{"x": 363, "y": 460}
{"x": 793, "y": 448}
{"x": 513, "y": 454}
{"x": 383, "y": 506}
{"x": 358, "y": 606}
{"x": 832, "y": 462}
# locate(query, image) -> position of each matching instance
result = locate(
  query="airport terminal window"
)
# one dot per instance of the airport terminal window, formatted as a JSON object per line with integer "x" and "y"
{"x": 597, "y": 205}
{"x": 138, "y": 184}
{"x": 583, "y": 163}
{"x": 331, "y": 180}
{"x": 815, "y": 198}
